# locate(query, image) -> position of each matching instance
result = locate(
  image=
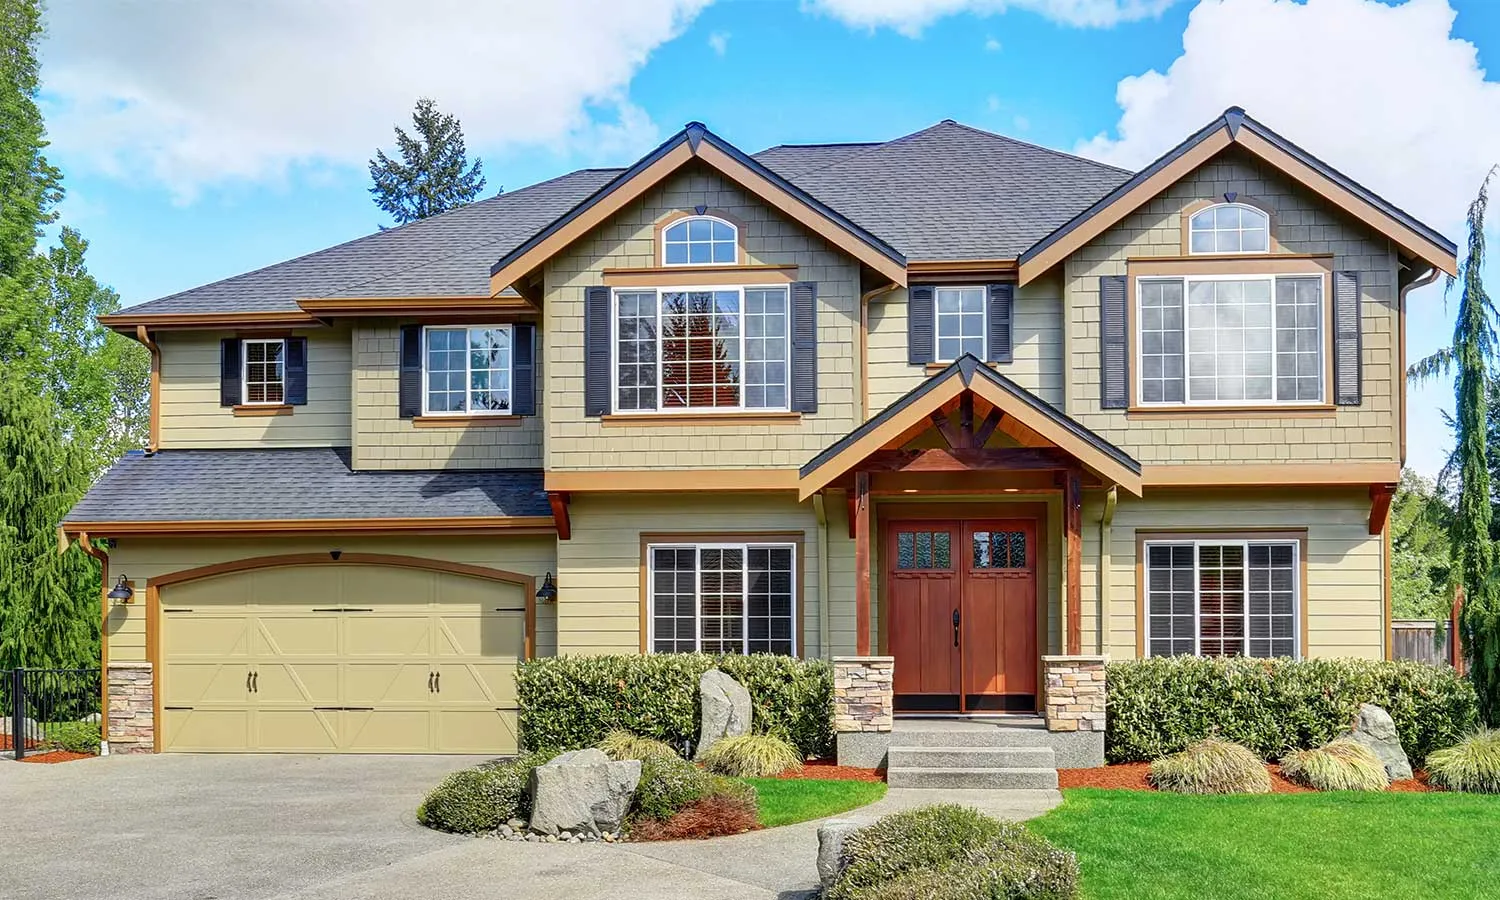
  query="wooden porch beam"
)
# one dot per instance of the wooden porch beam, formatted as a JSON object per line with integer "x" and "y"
{"x": 986, "y": 429}
{"x": 1380, "y": 505}
{"x": 862, "y": 563}
{"x": 951, "y": 436}
{"x": 1073, "y": 528}
{"x": 964, "y": 460}
{"x": 559, "y": 502}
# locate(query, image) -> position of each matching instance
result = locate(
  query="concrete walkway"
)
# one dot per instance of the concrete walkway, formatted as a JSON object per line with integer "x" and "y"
{"x": 339, "y": 828}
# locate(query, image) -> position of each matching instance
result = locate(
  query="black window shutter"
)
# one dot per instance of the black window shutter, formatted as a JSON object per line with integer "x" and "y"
{"x": 296, "y": 371}
{"x": 1114, "y": 363}
{"x": 1002, "y": 313}
{"x": 523, "y": 372}
{"x": 410, "y": 393}
{"x": 596, "y": 351}
{"x": 804, "y": 393}
{"x": 231, "y": 387}
{"x": 920, "y": 310}
{"x": 1347, "y": 339}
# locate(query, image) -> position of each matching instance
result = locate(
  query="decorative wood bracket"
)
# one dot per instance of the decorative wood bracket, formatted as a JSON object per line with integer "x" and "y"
{"x": 559, "y": 502}
{"x": 1380, "y": 506}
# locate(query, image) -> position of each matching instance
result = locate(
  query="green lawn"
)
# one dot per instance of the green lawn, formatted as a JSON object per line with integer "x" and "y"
{"x": 787, "y": 800}
{"x": 1147, "y": 846}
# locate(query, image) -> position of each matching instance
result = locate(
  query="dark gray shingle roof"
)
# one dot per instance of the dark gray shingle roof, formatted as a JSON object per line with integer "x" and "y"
{"x": 791, "y": 160}
{"x": 314, "y": 483}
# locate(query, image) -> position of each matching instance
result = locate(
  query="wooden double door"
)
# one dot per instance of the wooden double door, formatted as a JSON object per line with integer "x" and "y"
{"x": 962, "y": 607}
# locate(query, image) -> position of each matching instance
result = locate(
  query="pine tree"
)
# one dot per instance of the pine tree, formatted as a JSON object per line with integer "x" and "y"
{"x": 434, "y": 175}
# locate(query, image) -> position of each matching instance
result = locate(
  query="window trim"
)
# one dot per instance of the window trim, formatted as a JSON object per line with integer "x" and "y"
{"x": 708, "y": 215}
{"x": 651, "y": 542}
{"x": 245, "y": 400}
{"x": 1187, "y": 276}
{"x": 1144, "y": 539}
{"x": 741, "y": 409}
{"x": 430, "y": 414}
{"x": 1192, "y": 213}
{"x": 984, "y": 320}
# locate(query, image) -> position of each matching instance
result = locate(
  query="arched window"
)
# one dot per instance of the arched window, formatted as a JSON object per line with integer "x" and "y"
{"x": 700, "y": 241}
{"x": 1229, "y": 228}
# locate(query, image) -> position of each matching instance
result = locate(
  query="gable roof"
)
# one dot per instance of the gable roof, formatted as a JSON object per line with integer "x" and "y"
{"x": 969, "y": 374}
{"x": 1236, "y": 128}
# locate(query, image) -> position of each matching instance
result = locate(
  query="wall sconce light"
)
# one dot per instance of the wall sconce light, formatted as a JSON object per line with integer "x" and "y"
{"x": 547, "y": 593}
{"x": 122, "y": 592}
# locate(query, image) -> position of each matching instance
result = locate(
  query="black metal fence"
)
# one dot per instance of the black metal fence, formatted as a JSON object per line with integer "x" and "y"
{"x": 39, "y": 706}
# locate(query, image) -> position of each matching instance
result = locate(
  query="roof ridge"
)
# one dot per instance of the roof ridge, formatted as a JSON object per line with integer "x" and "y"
{"x": 871, "y": 148}
{"x": 827, "y": 144}
{"x": 1052, "y": 150}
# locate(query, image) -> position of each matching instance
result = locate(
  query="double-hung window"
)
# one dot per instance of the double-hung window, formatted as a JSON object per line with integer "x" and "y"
{"x": 1230, "y": 339}
{"x": 961, "y": 322}
{"x": 467, "y": 370}
{"x": 1219, "y": 597}
{"x": 722, "y": 598}
{"x": 264, "y": 371}
{"x": 710, "y": 348}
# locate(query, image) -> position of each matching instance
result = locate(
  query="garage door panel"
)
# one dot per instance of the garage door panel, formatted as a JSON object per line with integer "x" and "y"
{"x": 387, "y": 731}
{"x": 376, "y": 684}
{"x": 491, "y": 634}
{"x": 478, "y": 595}
{"x": 201, "y": 634}
{"x": 389, "y": 588}
{"x": 206, "y": 730}
{"x": 303, "y": 586}
{"x": 492, "y": 683}
{"x": 297, "y": 633}
{"x": 195, "y": 683}
{"x": 296, "y": 730}
{"x": 211, "y": 592}
{"x": 385, "y": 635}
{"x": 475, "y": 730}
{"x": 298, "y": 682}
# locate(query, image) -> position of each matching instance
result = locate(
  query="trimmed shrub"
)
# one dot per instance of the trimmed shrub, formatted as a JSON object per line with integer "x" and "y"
{"x": 751, "y": 756}
{"x": 481, "y": 799}
{"x": 1162, "y": 705}
{"x": 952, "y": 853}
{"x": 573, "y": 701}
{"x": 676, "y": 799}
{"x": 74, "y": 737}
{"x": 1339, "y": 766}
{"x": 1471, "y": 765}
{"x": 1212, "y": 766}
{"x": 620, "y": 744}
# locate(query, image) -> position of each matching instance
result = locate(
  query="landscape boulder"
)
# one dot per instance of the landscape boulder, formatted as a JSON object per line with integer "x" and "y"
{"x": 831, "y": 837}
{"x": 582, "y": 791}
{"x": 1374, "y": 728}
{"x": 26, "y": 724}
{"x": 726, "y": 710}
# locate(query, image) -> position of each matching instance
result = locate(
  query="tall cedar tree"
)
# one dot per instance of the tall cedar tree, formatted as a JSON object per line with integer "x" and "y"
{"x": 74, "y": 395}
{"x": 434, "y": 175}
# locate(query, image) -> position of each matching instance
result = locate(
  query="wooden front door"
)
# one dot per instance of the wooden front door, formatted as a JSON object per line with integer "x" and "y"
{"x": 962, "y": 602}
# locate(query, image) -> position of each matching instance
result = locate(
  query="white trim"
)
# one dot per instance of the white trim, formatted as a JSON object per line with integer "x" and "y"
{"x": 688, "y": 243}
{"x": 510, "y": 400}
{"x": 1187, "y": 399}
{"x": 1264, "y": 216}
{"x": 1210, "y": 541}
{"x": 698, "y": 549}
{"x": 614, "y": 349}
{"x": 245, "y": 372}
{"x": 984, "y": 320}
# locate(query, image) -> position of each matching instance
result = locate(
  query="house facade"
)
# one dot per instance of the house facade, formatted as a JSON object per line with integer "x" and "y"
{"x": 952, "y": 399}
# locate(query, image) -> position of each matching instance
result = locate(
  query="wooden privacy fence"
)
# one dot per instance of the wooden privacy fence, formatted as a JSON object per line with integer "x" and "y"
{"x": 1423, "y": 640}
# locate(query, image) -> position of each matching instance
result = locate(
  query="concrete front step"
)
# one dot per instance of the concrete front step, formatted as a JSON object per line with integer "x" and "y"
{"x": 972, "y": 757}
{"x": 971, "y": 778}
{"x": 979, "y": 737}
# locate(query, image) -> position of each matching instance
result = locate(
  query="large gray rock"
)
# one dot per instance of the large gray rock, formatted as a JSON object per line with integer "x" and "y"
{"x": 1374, "y": 728}
{"x": 726, "y": 710}
{"x": 27, "y": 725}
{"x": 831, "y": 837}
{"x": 582, "y": 790}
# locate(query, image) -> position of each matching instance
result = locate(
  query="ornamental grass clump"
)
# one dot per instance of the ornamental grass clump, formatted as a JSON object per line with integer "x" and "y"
{"x": 751, "y": 756}
{"x": 1472, "y": 765}
{"x": 1212, "y": 766}
{"x": 620, "y": 744}
{"x": 1339, "y": 766}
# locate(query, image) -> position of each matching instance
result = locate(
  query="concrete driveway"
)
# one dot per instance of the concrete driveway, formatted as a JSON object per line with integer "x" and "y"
{"x": 343, "y": 827}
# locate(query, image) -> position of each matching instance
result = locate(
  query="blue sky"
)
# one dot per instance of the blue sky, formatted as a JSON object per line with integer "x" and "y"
{"x": 227, "y": 137}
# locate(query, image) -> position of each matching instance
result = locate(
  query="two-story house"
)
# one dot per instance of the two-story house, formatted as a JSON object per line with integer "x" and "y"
{"x": 953, "y": 398}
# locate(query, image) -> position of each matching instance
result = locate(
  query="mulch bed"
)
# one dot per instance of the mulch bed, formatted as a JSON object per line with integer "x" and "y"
{"x": 830, "y": 770}
{"x": 5, "y": 743}
{"x": 56, "y": 756}
{"x": 1132, "y": 777}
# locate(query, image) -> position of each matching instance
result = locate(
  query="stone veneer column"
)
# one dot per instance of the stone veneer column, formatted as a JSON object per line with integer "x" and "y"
{"x": 862, "y": 708}
{"x": 132, "y": 718}
{"x": 1075, "y": 692}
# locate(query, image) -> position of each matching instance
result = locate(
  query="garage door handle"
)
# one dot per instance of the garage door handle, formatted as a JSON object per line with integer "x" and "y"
{"x": 176, "y": 708}
{"x": 255, "y": 682}
{"x": 439, "y": 682}
{"x": 358, "y": 708}
{"x": 247, "y": 682}
{"x": 430, "y": 676}
{"x": 327, "y": 708}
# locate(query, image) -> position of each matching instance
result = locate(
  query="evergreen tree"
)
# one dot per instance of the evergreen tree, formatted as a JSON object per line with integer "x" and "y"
{"x": 434, "y": 174}
{"x": 1421, "y": 558}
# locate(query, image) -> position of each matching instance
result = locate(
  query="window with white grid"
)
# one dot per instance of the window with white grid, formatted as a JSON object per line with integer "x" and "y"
{"x": 467, "y": 370}
{"x": 1229, "y": 228}
{"x": 722, "y": 598}
{"x": 700, "y": 241}
{"x": 1216, "y": 597}
{"x": 960, "y": 322}
{"x": 265, "y": 371}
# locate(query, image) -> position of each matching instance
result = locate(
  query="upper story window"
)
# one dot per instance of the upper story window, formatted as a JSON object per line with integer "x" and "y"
{"x": 961, "y": 323}
{"x": 264, "y": 372}
{"x": 467, "y": 370}
{"x": 712, "y": 348}
{"x": 700, "y": 241}
{"x": 1229, "y": 228}
{"x": 1230, "y": 340}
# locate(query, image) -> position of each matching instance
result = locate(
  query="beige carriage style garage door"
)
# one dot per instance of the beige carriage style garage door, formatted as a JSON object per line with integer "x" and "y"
{"x": 341, "y": 658}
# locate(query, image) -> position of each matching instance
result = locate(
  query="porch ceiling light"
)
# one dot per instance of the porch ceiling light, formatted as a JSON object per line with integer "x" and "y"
{"x": 547, "y": 593}
{"x": 122, "y": 592}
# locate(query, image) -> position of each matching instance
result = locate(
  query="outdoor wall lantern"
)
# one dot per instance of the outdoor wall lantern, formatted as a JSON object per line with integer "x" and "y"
{"x": 547, "y": 593}
{"x": 122, "y": 592}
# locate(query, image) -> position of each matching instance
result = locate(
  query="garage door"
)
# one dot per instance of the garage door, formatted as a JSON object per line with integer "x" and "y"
{"x": 341, "y": 659}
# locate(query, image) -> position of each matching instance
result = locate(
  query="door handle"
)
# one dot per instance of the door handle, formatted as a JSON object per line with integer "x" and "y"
{"x": 247, "y": 682}
{"x": 438, "y": 681}
{"x": 255, "y": 682}
{"x": 430, "y": 676}
{"x": 956, "y": 620}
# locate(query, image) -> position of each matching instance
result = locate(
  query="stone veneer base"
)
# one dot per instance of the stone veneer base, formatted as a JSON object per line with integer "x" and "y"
{"x": 132, "y": 715}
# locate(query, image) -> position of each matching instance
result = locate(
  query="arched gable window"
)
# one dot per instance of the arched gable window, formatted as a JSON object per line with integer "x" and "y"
{"x": 700, "y": 241}
{"x": 1229, "y": 228}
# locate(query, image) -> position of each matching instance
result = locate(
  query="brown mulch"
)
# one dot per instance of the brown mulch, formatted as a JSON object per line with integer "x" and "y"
{"x": 1132, "y": 777}
{"x": 830, "y": 770}
{"x": 56, "y": 756}
{"x": 5, "y": 743}
{"x": 709, "y": 817}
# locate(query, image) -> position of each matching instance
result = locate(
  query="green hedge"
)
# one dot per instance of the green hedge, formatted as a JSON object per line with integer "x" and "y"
{"x": 573, "y": 701}
{"x": 1162, "y": 705}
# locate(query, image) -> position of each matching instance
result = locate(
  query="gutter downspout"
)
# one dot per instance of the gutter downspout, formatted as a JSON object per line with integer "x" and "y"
{"x": 825, "y": 643}
{"x": 1106, "y": 519}
{"x": 1422, "y": 280}
{"x": 153, "y": 433}
{"x": 864, "y": 346}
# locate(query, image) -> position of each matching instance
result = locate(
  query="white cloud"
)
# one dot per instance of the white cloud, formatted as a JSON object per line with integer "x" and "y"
{"x": 993, "y": 103}
{"x": 719, "y": 41}
{"x": 909, "y": 17}
{"x": 201, "y": 94}
{"x": 991, "y": 45}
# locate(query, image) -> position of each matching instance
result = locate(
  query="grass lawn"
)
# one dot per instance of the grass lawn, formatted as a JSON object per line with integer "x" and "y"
{"x": 787, "y": 800}
{"x": 1148, "y": 846}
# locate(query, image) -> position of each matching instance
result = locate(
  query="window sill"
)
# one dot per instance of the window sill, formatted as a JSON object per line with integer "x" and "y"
{"x": 465, "y": 421}
{"x": 1320, "y": 411}
{"x": 626, "y": 420}
{"x": 262, "y": 409}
